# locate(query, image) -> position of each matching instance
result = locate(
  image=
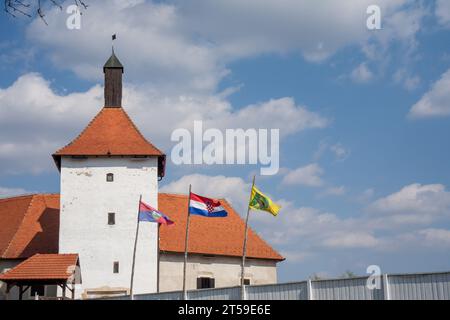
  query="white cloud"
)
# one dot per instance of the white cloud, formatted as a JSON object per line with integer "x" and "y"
{"x": 366, "y": 195}
{"x": 354, "y": 239}
{"x": 415, "y": 203}
{"x": 392, "y": 224}
{"x": 151, "y": 44}
{"x": 314, "y": 230}
{"x": 409, "y": 82}
{"x": 35, "y": 120}
{"x": 281, "y": 114}
{"x": 435, "y": 237}
{"x": 276, "y": 26}
{"x": 296, "y": 256}
{"x": 233, "y": 189}
{"x": 9, "y": 192}
{"x": 399, "y": 30}
{"x": 185, "y": 46}
{"x": 361, "y": 74}
{"x": 313, "y": 226}
{"x": 442, "y": 11}
{"x": 341, "y": 153}
{"x": 436, "y": 102}
{"x": 309, "y": 175}
{"x": 334, "y": 191}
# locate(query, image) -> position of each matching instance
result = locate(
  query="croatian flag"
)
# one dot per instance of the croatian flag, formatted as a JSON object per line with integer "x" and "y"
{"x": 150, "y": 214}
{"x": 206, "y": 207}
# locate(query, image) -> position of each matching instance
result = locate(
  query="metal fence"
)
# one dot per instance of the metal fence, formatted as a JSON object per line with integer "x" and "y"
{"x": 419, "y": 286}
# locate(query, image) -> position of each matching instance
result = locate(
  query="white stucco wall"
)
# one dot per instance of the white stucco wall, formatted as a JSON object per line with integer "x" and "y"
{"x": 225, "y": 270}
{"x": 86, "y": 200}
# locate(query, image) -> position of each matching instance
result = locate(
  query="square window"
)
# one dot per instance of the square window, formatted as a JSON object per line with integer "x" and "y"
{"x": 109, "y": 177}
{"x": 205, "y": 283}
{"x": 111, "y": 218}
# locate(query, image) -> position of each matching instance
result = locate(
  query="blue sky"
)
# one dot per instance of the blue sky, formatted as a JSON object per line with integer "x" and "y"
{"x": 364, "y": 115}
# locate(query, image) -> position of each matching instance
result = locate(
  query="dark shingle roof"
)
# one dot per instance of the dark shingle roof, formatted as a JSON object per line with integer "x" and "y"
{"x": 113, "y": 63}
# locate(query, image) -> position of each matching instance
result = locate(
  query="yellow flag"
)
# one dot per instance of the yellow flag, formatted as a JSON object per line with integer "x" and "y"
{"x": 260, "y": 201}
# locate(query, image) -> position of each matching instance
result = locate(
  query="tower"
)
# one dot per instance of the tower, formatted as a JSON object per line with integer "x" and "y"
{"x": 103, "y": 173}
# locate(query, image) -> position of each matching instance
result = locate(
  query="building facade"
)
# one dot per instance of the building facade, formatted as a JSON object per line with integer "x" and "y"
{"x": 215, "y": 247}
{"x": 209, "y": 271}
{"x": 98, "y": 221}
{"x": 104, "y": 172}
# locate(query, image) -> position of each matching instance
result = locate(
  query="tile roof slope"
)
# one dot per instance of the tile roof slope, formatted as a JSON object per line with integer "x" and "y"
{"x": 215, "y": 236}
{"x": 43, "y": 267}
{"x": 37, "y": 230}
{"x": 12, "y": 212}
{"x": 111, "y": 132}
{"x": 30, "y": 225}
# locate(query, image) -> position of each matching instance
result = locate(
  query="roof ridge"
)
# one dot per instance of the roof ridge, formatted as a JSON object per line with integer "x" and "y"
{"x": 18, "y": 228}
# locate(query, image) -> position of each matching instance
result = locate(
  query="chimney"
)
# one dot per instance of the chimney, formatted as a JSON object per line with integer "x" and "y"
{"x": 113, "y": 71}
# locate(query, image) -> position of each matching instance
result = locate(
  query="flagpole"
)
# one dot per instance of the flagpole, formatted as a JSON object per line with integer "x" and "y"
{"x": 134, "y": 252}
{"x": 244, "y": 249}
{"x": 158, "y": 258}
{"x": 186, "y": 246}
{"x": 113, "y": 37}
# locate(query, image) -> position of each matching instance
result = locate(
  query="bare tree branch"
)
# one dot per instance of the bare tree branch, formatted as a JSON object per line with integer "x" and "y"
{"x": 27, "y": 7}
{"x": 81, "y": 3}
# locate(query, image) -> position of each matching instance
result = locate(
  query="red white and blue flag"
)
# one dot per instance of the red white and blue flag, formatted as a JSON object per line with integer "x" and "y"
{"x": 150, "y": 214}
{"x": 206, "y": 207}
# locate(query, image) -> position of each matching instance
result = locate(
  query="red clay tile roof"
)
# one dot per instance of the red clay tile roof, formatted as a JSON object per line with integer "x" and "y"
{"x": 43, "y": 267}
{"x": 214, "y": 236}
{"x": 30, "y": 225}
{"x": 110, "y": 133}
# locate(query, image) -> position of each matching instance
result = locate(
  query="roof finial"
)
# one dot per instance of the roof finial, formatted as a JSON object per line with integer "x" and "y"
{"x": 114, "y": 37}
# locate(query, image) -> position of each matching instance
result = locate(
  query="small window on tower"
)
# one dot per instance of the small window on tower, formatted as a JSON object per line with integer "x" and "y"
{"x": 111, "y": 218}
{"x": 109, "y": 177}
{"x": 116, "y": 267}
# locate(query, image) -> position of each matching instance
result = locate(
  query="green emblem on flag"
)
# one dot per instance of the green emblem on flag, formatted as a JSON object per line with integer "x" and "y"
{"x": 260, "y": 201}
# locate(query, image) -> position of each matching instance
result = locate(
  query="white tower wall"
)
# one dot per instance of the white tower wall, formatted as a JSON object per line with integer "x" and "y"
{"x": 86, "y": 200}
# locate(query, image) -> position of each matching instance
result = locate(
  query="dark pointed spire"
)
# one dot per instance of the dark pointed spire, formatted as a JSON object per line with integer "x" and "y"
{"x": 113, "y": 71}
{"x": 113, "y": 62}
